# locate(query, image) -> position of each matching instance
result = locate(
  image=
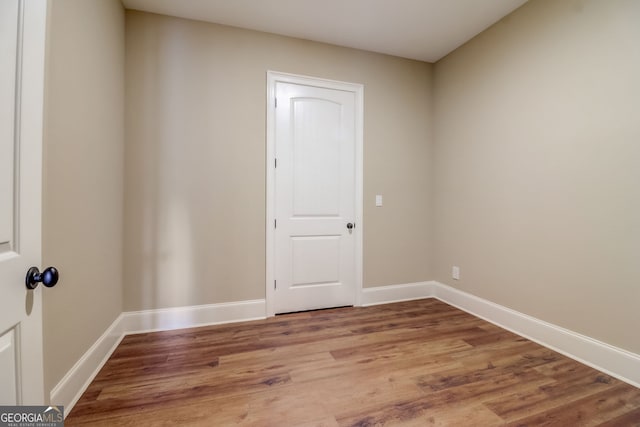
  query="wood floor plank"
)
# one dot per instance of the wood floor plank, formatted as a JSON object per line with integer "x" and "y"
{"x": 628, "y": 419}
{"x": 420, "y": 412}
{"x": 592, "y": 410}
{"x": 341, "y": 395}
{"x": 410, "y": 363}
{"x": 289, "y": 405}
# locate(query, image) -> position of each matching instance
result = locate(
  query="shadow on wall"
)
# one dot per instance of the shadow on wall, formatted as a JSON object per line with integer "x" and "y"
{"x": 194, "y": 178}
{"x": 162, "y": 234}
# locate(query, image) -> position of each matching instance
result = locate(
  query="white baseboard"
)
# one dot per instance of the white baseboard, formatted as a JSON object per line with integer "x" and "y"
{"x": 611, "y": 360}
{"x": 397, "y": 293}
{"x": 165, "y": 319}
{"x": 75, "y": 382}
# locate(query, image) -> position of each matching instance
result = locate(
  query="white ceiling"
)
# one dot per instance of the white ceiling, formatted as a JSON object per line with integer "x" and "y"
{"x": 425, "y": 30}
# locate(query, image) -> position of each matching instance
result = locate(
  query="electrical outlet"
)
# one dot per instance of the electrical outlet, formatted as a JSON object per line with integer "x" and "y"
{"x": 455, "y": 272}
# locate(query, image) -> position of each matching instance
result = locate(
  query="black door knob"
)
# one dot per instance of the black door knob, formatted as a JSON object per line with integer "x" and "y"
{"x": 350, "y": 226}
{"x": 49, "y": 277}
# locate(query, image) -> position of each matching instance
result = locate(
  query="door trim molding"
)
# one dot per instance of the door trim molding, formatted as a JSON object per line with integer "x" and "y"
{"x": 272, "y": 78}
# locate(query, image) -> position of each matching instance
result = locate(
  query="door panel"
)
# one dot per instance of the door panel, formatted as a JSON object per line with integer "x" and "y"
{"x": 314, "y": 197}
{"x": 316, "y": 157}
{"x": 8, "y": 50}
{"x": 8, "y": 373}
{"x": 315, "y": 260}
{"x": 22, "y": 51}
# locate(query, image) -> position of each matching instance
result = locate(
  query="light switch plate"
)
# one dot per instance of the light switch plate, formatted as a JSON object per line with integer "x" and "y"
{"x": 378, "y": 200}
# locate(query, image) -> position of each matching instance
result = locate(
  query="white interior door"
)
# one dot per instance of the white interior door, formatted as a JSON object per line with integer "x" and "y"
{"x": 316, "y": 231}
{"x": 22, "y": 50}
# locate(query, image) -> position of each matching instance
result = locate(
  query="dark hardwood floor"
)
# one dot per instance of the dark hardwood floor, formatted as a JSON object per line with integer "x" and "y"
{"x": 416, "y": 363}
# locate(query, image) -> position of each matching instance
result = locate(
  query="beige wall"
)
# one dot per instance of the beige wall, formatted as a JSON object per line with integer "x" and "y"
{"x": 195, "y": 158}
{"x": 537, "y": 176}
{"x": 83, "y": 170}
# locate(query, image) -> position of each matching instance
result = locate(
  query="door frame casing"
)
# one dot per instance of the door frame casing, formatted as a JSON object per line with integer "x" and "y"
{"x": 273, "y": 77}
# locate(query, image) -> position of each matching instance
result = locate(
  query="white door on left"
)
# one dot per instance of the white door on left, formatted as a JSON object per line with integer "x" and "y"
{"x": 22, "y": 51}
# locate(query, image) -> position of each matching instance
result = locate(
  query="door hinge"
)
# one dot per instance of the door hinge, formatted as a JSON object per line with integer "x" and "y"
{"x": 276, "y": 99}
{"x": 275, "y": 223}
{"x": 275, "y": 284}
{"x": 275, "y": 163}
